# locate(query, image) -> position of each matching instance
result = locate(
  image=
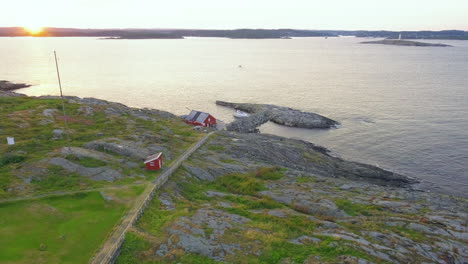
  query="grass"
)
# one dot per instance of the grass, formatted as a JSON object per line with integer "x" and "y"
{"x": 263, "y": 232}
{"x": 239, "y": 184}
{"x": 355, "y": 209}
{"x": 327, "y": 250}
{"x": 10, "y": 158}
{"x": 86, "y": 161}
{"x": 154, "y": 219}
{"x": 23, "y": 119}
{"x": 247, "y": 183}
{"x": 215, "y": 147}
{"x": 132, "y": 245}
{"x": 304, "y": 179}
{"x": 65, "y": 229}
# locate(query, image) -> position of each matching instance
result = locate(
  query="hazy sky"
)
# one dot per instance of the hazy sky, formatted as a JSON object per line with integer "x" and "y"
{"x": 220, "y": 14}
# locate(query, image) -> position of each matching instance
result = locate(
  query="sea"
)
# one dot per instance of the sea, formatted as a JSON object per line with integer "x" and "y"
{"x": 401, "y": 108}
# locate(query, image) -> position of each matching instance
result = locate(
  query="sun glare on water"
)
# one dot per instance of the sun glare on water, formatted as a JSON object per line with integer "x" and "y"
{"x": 34, "y": 30}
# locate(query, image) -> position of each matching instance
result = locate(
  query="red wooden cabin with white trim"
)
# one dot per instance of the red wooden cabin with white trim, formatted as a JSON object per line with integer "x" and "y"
{"x": 198, "y": 118}
{"x": 154, "y": 162}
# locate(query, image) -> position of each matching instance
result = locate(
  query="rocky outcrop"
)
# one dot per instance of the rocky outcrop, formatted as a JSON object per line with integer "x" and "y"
{"x": 9, "y": 86}
{"x": 301, "y": 155}
{"x": 99, "y": 174}
{"x": 262, "y": 113}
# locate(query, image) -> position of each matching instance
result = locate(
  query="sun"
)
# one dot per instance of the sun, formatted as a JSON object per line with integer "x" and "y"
{"x": 34, "y": 30}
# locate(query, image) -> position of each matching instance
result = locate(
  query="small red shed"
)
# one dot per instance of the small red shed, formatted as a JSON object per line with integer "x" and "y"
{"x": 154, "y": 162}
{"x": 198, "y": 118}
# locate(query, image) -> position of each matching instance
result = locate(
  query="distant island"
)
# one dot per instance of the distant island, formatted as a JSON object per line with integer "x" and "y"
{"x": 138, "y": 33}
{"x": 145, "y": 35}
{"x": 399, "y": 42}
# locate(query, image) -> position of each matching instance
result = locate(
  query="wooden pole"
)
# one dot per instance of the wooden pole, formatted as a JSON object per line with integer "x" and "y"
{"x": 63, "y": 100}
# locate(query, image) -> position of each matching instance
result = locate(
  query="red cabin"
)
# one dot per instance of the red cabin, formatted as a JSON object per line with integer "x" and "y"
{"x": 198, "y": 118}
{"x": 154, "y": 162}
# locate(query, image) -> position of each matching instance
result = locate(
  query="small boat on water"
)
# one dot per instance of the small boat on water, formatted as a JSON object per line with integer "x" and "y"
{"x": 240, "y": 114}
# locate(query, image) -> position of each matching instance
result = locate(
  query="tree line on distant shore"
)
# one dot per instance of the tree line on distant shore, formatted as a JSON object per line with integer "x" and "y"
{"x": 236, "y": 33}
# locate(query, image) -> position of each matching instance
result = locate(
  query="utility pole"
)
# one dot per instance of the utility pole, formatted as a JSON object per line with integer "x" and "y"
{"x": 63, "y": 100}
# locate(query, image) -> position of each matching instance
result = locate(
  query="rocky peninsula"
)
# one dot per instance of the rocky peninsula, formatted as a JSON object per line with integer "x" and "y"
{"x": 240, "y": 198}
{"x": 9, "y": 86}
{"x": 399, "y": 42}
{"x": 262, "y": 113}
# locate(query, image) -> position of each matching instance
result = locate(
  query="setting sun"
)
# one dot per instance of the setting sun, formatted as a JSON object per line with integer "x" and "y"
{"x": 34, "y": 30}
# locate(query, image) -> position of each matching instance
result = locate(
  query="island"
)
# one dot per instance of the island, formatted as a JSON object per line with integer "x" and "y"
{"x": 400, "y": 42}
{"x": 262, "y": 113}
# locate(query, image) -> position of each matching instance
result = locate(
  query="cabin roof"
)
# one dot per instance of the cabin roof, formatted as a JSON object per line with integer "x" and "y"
{"x": 197, "y": 116}
{"x": 153, "y": 157}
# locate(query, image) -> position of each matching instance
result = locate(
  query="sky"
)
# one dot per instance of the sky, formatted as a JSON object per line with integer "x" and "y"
{"x": 224, "y": 14}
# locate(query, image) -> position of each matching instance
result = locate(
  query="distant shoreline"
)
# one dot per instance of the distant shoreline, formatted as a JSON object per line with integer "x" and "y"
{"x": 231, "y": 33}
{"x": 398, "y": 42}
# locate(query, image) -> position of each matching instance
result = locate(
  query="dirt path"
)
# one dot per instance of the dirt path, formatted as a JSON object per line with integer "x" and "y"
{"x": 109, "y": 250}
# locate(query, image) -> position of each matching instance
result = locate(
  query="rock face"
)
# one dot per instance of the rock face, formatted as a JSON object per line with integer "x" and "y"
{"x": 101, "y": 173}
{"x": 8, "y": 86}
{"x": 308, "y": 215}
{"x": 262, "y": 113}
{"x": 398, "y": 42}
{"x": 304, "y": 156}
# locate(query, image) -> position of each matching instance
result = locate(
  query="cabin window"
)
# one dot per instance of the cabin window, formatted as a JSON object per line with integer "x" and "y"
{"x": 151, "y": 163}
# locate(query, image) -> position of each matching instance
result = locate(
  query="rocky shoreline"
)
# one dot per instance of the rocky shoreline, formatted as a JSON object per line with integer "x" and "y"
{"x": 244, "y": 197}
{"x": 9, "y": 86}
{"x": 262, "y": 113}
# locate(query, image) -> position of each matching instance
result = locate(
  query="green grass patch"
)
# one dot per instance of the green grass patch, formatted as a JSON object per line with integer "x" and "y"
{"x": 215, "y": 147}
{"x": 154, "y": 219}
{"x": 354, "y": 209}
{"x": 86, "y": 161}
{"x": 327, "y": 251}
{"x": 273, "y": 173}
{"x": 131, "y": 247}
{"x": 239, "y": 184}
{"x": 253, "y": 202}
{"x": 409, "y": 233}
{"x": 313, "y": 157}
{"x": 65, "y": 229}
{"x": 304, "y": 179}
{"x": 10, "y": 158}
{"x": 229, "y": 161}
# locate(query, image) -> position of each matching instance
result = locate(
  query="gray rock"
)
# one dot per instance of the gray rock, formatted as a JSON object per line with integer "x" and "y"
{"x": 57, "y": 134}
{"x": 306, "y": 157}
{"x": 262, "y": 113}
{"x": 277, "y": 213}
{"x": 105, "y": 197}
{"x": 101, "y": 173}
{"x": 225, "y": 204}
{"x": 120, "y": 147}
{"x": 49, "y": 112}
{"x": 86, "y": 110}
{"x": 199, "y": 173}
{"x": 428, "y": 229}
{"x": 304, "y": 240}
{"x": 215, "y": 194}
{"x": 166, "y": 201}
{"x": 162, "y": 250}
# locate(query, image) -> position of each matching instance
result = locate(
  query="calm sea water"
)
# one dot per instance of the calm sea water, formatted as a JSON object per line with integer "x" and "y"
{"x": 401, "y": 108}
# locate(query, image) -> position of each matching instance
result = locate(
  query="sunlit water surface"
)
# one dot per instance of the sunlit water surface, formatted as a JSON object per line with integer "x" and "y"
{"x": 401, "y": 108}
